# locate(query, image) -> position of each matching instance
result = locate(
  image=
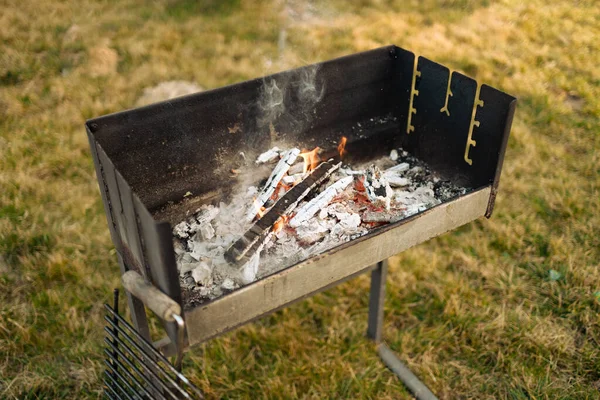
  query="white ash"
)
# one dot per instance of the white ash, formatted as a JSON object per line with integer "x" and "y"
{"x": 202, "y": 218}
{"x": 250, "y": 269}
{"x": 297, "y": 169}
{"x": 397, "y": 182}
{"x": 394, "y": 155}
{"x": 377, "y": 187}
{"x": 397, "y": 168}
{"x": 383, "y": 216}
{"x": 228, "y": 284}
{"x": 313, "y": 230}
{"x": 206, "y": 232}
{"x": 268, "y": 156}
{"x": 306, "y": 212}
{"x": 395, "y": 176}
{"x": 353, "y": 201}
{"x": 202, "y": 274}
{"x": 291, "y": 179}
{"x": 349, "y": 172}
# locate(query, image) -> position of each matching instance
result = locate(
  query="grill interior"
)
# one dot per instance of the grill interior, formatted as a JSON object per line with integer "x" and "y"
{"x": 148, "y": 159}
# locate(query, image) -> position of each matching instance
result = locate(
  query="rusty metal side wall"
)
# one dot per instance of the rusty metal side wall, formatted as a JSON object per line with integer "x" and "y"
{"x": 138, "y": 314}
{"x": 157, "y": 244}
{"x": 102, "y": 185}
{"x": 142, "y": 243}
{"x": 127, "y": 243}
{"x": 402, "y": 79}
{"x": 499, "y": 122}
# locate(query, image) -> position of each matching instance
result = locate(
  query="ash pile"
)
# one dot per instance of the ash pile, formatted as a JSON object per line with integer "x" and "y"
{"x": 308, "y": 204}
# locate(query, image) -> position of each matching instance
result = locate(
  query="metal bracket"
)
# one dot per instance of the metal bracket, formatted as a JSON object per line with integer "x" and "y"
{"x": 375, "y": 333}
{"x": 448, "y": 95}
{"x": 474, "y": 123}
{"x": 413, "y": 92}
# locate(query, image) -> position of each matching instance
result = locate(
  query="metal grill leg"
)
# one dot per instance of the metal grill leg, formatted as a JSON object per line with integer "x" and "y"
{"x": 374, "y": 332}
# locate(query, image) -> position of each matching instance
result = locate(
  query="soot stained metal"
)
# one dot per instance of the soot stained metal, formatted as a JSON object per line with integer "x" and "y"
{"x": 149, "y": 159}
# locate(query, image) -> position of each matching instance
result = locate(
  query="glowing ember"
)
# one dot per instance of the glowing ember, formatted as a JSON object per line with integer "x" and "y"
{"x": 280, "y": 223}
{"x": 359, "y": 184}
{"x": 261, "y": 212}
{"x": 311, "y": 159}
{"x": 341, "y": 147}
{"x": 280, "y": 190}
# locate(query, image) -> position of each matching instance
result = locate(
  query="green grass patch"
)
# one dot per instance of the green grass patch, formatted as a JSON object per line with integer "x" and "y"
{"x": 502, "y": 308}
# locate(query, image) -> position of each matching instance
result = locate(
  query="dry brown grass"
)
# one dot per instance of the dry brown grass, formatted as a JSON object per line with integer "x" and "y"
{"x": 475, "y": 313}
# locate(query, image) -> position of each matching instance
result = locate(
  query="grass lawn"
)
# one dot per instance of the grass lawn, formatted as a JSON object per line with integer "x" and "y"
{"x": 501, "y": 308}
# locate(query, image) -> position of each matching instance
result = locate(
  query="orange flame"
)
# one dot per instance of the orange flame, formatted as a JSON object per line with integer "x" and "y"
{"x": 280, "y": 223}
{"x": 342, "y": 146}
{"x": 280, "y": 190}
{"x": 261, "y": 210}
{"x": 311, "y": 159}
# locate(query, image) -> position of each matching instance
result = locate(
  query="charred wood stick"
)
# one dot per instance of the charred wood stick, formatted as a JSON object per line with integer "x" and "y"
{"x": 279, "y": 171}
{"x": 242, "y": 249}
{"x": 307, "y": 211}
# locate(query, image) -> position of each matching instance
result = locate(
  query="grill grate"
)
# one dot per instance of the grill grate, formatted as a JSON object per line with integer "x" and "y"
{"x": 135, "y": 370}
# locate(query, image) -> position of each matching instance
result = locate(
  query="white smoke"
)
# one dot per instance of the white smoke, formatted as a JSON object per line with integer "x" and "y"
{"x": 301, "y": 93}
{"x": 271, "y": 102}
{"x": 310, "y": 91}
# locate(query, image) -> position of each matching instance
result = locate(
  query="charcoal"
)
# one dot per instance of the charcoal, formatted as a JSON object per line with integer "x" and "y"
{"x": 377, "y": 188}
{"x": 236, "y": 254}
{"x": 282, "y": 167}
{"x": 322, "y": 200}
{"x": 313, "y": 230}
{"x": 202, "y": 274}
{"x": 228, "y": 284}
{"x": 268, "y": 156}
{"x": 213, "y": 259}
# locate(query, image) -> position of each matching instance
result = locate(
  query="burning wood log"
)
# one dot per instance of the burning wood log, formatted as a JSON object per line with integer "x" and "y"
{"x": 279, "y": 171}
{"x": 307, "y": 211}
{"x": 247, "y": 245}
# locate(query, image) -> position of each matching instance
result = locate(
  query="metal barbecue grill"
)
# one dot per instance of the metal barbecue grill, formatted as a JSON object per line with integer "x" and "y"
{"x": 148, "y": 160}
